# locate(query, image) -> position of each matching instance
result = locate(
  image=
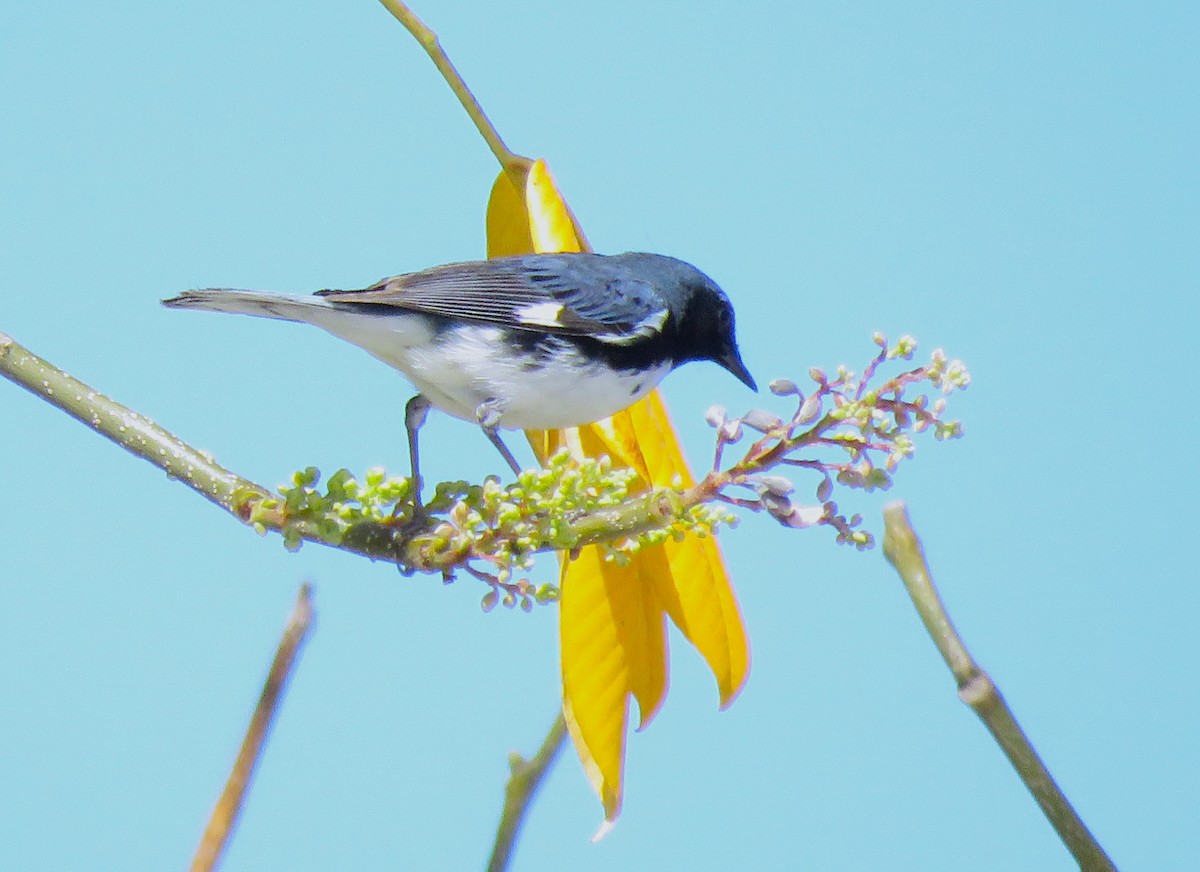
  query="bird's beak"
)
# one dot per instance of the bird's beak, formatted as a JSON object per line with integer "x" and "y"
{"x": 732, "y": 361}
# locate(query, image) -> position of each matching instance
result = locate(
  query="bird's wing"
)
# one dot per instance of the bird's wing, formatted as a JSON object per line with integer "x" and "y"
{"x": 574, "y": 295}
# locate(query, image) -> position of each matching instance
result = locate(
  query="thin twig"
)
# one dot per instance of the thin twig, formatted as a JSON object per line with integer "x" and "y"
{"x": 225, "y": 814}
{"x": 976, "y": 689}
{"x": 512, "y": 162}
{"x": 523, "y": 782}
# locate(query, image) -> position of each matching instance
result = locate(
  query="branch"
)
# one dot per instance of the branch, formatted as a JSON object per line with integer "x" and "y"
{"x": 512, "y": 162}
{"x": 903, "y": 550}
{"x": 251, "y": 503}
{"x": 523, "y": 782}
{"x": 132, "y": 431}
{"x": 229, "y": 806}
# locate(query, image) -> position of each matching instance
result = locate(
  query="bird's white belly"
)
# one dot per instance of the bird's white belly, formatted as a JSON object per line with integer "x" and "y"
{"x": 477, "y": 366}
{"x": 530, "y": 393}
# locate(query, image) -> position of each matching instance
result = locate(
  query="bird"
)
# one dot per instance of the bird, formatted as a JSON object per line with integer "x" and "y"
{"x": 530, "y": 342}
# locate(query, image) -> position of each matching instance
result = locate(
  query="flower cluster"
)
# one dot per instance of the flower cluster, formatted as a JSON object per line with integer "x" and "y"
{"x": 489, "y": 531}
{"x": 327, "y": 517}
{"x": 848, "y": 431}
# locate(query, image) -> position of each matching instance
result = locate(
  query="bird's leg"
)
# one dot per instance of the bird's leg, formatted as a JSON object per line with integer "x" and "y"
{"x": 415, "y": 412}
{"x": 493, "y": 435}
{"x": 488, "y": 415}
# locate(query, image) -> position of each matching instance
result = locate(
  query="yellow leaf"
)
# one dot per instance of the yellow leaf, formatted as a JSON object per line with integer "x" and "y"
{"x": 595, "y": 680}
{"x": 612, "y": 629}
{"x": 533, "y": 219}
{"x": 695, "y": 589}
{"x": 612, "y": 636}
{"x": 637, "y": 617}
{"x": 507, "y": 220}
{"x": 705, "y": 609}
{"x": 696, "y": 593}
{"x": 551, "y": 223}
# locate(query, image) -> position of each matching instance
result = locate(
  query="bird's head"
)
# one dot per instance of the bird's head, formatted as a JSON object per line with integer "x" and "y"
{"x": 702, "y": 319}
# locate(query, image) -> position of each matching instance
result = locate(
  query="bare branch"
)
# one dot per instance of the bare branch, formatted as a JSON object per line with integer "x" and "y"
{"x": 510, "y": 160}
{"x": 129, "y": 429}
{"x": 225, "y": 814}
{"x": 523, "y": 782}
{"x": 903, "y": 550}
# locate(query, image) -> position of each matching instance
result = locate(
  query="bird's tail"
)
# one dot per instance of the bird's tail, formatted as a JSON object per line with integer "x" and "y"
{"x": 264, "y": 304}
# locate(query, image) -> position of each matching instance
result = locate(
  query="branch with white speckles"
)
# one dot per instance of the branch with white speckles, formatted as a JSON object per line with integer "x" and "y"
{"x": 132, "y": 431}
{"x": 242, "y": 498}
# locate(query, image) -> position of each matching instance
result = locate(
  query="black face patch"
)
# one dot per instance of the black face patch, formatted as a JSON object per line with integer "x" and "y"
{"x": 637, "y": 389}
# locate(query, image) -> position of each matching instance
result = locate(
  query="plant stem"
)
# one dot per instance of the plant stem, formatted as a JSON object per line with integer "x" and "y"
{"x": 903, "y": 550}
{"x": 512, "y": 162}
{"x": 132, "y": 431}
{"x": 225, "y": 814}
{"x": 523, "y": 782}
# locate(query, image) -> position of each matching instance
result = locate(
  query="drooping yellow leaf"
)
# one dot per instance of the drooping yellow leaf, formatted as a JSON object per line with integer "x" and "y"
{"x": 697, "y": 593}
{"x": 648, "y": 671}
{"x": 647, "y": 659}
{"x": 612, "y": 635}
{"x": 694, "y": 589}
{"x": 551, "y": 222}
{"x": 612, "y": 627}
{"x": 507, "y": 220}
{"x": 706, "y": 611}
{"x": 527, "y": 215}
{"x": 638, "y": 619}
{"x": 595, "y": 678}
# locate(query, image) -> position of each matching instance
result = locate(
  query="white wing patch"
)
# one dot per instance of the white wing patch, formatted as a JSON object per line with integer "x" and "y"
{"x": 648, "y": 327}
{"x": 550, "y": 316}
{"x": 541, "y": 315}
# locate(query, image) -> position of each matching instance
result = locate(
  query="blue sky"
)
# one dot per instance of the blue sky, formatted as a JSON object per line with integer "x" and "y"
{"x": 1015, "y": 183}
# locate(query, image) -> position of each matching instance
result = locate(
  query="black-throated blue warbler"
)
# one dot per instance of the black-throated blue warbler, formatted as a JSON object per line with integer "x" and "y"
{"x": 533, "y": 342}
